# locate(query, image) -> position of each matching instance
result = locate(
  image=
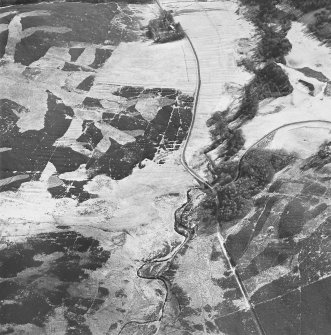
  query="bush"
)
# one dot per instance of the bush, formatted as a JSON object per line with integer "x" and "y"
{"x": 261, "y": 165}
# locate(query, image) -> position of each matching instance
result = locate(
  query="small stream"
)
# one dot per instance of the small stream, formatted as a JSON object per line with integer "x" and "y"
{"x": 155, "y": 268}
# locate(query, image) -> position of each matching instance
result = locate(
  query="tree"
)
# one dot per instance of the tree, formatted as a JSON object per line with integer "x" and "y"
{"x": 273, "y": 81}
{"x": 274, "y": 44}
{"x": 235, "y": 142}
{"x": 218, "y": 126}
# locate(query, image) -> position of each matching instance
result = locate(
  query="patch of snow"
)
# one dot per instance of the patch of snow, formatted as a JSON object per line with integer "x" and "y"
{"x": 54, "y": 181}
{"x": 302, "y": 139}
{"x": 14, "y": 37}
{"x": 55, "y": 57}
{"x": 35, "y": 13}
{"x": 69, "y": 139}
{"x": 9, "y": 180}
{"x": 148, "y": 107}
{"x": 3, "y": 27}
{"x": 145, "y": 12}
{"x": 87, "y": 57}
{"x": 3, "y": 149}
{"x": 307, "y": 51}
{"x": 7, "y": 13}
{"x": 49, "y": 29}
{"x": 108, "y": 131}
{"x": 148, "y": 65}
{"x": 49, "y": 170}
{"x": 79, "y": 174}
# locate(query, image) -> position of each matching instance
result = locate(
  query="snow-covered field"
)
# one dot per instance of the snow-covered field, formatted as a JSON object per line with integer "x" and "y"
{"x": 307, "y": 50}
{"x": 302, "y": 139}
{"x": 149, "y": 65}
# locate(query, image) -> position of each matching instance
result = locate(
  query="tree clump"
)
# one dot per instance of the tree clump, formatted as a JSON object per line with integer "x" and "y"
{"x": 322, "y": 25}
{"x": 262, "y": 164}
{"x": 218, "y": 126}
{"x": 256, "y": 170}
{"x": 234, "y": 143}
{"x": 272, "y": 81}
{"x": 319, "y": 160}
{"x": 232, "y": 140}
{"x": 226, "y": 172}
{"x": 274, "y": 45}
{"x": 269, "y": 82}
{"x": 165, "y": 29}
